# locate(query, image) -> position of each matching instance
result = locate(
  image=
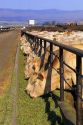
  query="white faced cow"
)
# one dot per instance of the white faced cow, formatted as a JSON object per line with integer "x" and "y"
{"x": 49, "y": 80}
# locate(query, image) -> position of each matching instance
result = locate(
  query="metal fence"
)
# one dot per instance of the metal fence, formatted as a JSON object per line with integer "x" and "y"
{"x": 42, "y": 43}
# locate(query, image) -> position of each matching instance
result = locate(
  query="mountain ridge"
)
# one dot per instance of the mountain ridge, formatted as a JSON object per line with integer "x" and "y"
{"x": 41, "y": 15}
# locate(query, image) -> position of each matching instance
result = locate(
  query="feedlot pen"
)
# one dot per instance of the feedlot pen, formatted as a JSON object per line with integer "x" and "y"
{"x": 41, "y": 43}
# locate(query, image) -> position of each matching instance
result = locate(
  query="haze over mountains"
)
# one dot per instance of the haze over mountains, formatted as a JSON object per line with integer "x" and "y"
{"x": 41, "y": 15}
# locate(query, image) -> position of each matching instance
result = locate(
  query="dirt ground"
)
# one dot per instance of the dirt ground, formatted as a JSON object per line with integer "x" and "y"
{"x": 8, "y": 46}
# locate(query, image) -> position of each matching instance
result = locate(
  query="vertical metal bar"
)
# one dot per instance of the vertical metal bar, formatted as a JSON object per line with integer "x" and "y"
{"x": 41, "y": 43}
{"x": 40, "y": 52}
{"x": 44, "y": 46}
{"x": 22, "y": 33}
{"x": 61, "y": 74}
{"x": 28, "y": 38}
{"x": 35, "y": 39}
{"x": 78, "y": 91}
{"x": 51, "y": 54}
{"x": 43, "y": 55}
{"x": 32, "y": 42}
{"x": 36, "y": 45}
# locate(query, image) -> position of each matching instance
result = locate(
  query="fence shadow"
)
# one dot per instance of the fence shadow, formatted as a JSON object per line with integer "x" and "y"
{"x": 52, "y": 116}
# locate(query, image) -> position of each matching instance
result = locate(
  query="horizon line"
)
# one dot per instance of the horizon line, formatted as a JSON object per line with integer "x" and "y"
{"x": 41, "y": 9}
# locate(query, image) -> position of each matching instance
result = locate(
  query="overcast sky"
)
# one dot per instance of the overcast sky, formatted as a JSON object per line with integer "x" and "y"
{"x": 42, "y": 4}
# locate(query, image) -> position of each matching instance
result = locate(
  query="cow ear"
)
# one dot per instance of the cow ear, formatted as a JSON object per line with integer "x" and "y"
{"x": 40, "y": 76}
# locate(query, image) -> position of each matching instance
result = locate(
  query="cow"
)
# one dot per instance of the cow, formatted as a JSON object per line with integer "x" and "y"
{"x": 25, "y": 46}
{"x": 34, "y": 63}
{"x": 49, "y": 80}
{"x": 32, "y": 66}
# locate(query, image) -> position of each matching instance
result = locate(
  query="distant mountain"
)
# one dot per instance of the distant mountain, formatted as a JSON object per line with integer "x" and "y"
{"x": 41, "y": 15}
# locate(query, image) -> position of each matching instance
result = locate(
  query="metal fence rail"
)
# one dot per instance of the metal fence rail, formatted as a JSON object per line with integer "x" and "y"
{"x": 39, "y": 41}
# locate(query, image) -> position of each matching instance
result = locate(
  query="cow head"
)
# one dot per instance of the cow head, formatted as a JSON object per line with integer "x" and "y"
{"x": 39, "y": 85}
{"x": 36, "y": 85}
{"x": 32, "y": 67}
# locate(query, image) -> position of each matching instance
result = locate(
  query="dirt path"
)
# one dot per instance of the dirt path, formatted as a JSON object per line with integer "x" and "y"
{"x": 8, "y": 47}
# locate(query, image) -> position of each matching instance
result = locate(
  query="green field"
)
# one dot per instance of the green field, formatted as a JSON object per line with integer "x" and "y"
{"x": 27, "y": 111}
{"x": 39, "y": 111}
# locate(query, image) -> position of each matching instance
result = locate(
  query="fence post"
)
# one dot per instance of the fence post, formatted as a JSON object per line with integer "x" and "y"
{"x": 51, "y": 54}
{"x": 40, "y": 52}
{"x": 78, "y": 90}
{"x": 61, "y": 74}
{"x": 22, "y": 33}
{"x": 27, "y": 37}
{"x": 44, "y": 46}
{"x": 43, "y": 57}
{"x": 35, "y": 44}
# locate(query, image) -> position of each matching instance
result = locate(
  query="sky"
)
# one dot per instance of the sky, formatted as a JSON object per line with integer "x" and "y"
{"x": 42, "y": 4}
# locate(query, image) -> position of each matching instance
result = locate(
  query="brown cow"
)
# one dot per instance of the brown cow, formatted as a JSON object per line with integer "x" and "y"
{"x": 34, "y": 63}
{"x": 25, "y": 46}
{"x": 32, "y": 67}
{"x": 49, "y": 80}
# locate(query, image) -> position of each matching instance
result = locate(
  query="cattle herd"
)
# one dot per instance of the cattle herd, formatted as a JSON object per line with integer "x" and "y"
{"x": 42, "y": 78}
